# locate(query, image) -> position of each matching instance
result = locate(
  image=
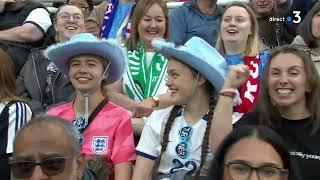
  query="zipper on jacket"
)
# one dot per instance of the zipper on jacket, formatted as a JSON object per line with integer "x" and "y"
{"x": 54, "y": 99}
{"x": 35, "y": 72}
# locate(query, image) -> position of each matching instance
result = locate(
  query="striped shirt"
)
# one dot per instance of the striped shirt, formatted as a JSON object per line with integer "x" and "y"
{"x": 12, "y": 118}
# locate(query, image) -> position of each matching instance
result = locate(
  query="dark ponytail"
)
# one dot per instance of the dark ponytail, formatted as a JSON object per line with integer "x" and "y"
{"x": 172, "y": 117}
{"x": 205, "y": 141}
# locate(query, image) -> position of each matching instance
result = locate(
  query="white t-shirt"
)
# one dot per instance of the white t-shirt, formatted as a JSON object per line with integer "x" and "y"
{"x": 149, "y": 56}
{"x": 150, "y": 142}
{"x": 40, "y": 18}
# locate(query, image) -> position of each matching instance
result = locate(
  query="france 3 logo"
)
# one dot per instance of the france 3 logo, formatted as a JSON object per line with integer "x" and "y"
{"x": 296, "y": 18}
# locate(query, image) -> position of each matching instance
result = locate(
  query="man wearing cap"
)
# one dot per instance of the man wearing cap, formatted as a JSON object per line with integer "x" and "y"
{"x": 104, "y": 128}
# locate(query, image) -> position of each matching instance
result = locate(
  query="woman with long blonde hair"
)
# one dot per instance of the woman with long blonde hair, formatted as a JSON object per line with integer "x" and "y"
{"x": 239, "y": 43}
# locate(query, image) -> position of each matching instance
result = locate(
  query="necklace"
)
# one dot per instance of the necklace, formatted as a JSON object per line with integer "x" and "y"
{"x": 81, "y": 122}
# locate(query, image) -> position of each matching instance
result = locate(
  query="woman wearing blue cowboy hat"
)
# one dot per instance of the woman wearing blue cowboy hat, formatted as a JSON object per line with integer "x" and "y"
{"x": 104, "y": 128}
{"x": 178, "y": 136}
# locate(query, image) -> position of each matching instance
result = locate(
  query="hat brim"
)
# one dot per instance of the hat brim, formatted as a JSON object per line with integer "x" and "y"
{"x": 61, "y": 54}
{"x": 205, "y": 69}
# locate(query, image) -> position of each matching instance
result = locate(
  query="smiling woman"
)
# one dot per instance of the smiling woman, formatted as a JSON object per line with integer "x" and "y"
{"x": 239, "y": 43}
{"x": 104, "y": 128}
{"x": 145, "y": 76}
{"x": 40, "y": 82}
{"x": 289, "y": 103}
{"x": 178, "y": 136}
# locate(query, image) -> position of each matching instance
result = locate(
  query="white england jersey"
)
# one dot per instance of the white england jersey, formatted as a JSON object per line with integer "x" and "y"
{"x": 150, "y": 143}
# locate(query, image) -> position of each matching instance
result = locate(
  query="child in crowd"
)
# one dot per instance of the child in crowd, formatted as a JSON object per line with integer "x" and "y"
{"x": 178, "y": 136}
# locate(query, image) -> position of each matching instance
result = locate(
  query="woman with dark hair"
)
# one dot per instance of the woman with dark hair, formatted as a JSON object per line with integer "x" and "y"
{"x": 14, "y": 113}
{"x": 86, "y": 6}
{"x": 289, "y": 103}
{"x": 252, "y": 148}
{"x": 309, "y": 34}
{"x": 178, "y": 136}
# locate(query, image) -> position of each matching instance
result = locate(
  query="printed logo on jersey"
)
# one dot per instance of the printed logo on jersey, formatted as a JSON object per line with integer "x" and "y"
{"x": 100, "y": 144}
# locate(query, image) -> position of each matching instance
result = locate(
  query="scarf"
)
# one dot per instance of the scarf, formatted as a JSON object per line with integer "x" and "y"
{"x": 144, "y": 82}
{"x": 109, "y": 17}
{"x": 250, "y": 90}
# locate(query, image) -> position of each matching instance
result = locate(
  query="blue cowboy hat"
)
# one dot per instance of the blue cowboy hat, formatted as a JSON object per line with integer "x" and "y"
{"x": 86, "y": 43}
{"x": 199, "y": 55}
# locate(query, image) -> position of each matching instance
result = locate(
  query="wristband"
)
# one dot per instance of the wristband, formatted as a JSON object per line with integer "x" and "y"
{"x": 228, "y": 92}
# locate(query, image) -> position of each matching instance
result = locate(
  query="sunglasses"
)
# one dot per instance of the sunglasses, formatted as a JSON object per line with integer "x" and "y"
{"x": 24, "y": 169}
{"x": 182, "y": 149}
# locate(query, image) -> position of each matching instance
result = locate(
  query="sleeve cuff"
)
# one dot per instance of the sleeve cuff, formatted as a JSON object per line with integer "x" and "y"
{"x": 37, "y": 25}
{"x": 139, "y": 153}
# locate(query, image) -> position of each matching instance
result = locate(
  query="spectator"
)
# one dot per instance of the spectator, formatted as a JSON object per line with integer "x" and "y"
{"x": 274, "y": 32}
{"x": 40, "y": 82}
{"x": 13, "y": 113}
{"x": 23, "y": 24}
{"x": 111, "y": 19}
{"x": 52, "y": 144}
{"x": 289, "y": 104}
{"x": 145, "y": 76}
{"x": 238, "y": 41}
{"x": 196, "y": 18}
{"x": 309, "y": 34}
{"x": 253, "y": 148}
{"x": 91, "y": 64}
{"x": 302, "y": 6}
{"x": 86, "y": 6}
{"x": 178, "y": 136}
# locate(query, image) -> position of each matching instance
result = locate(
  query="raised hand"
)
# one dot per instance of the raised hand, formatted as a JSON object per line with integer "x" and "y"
{"x": 237, "y": 76}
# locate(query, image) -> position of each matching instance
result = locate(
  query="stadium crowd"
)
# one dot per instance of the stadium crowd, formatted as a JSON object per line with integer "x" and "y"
{"x": 129, "y": 89}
